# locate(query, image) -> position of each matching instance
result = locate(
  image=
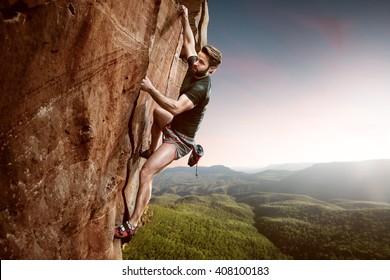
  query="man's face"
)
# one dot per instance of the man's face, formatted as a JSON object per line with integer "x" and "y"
{"x": 201, "y": 66}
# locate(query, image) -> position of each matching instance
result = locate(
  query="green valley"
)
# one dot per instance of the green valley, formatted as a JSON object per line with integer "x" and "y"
{"x": 321, "y": 212}
{"x": 206, "y": 227}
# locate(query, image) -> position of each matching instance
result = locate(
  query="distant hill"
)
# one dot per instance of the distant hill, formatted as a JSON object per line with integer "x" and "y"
{"x": 279, "y": 166}
{"x": 288, "y": 166}
{"x": 215, "y": 169}
{"x": 215, "y": 179}
{"x": 366, "y": 181}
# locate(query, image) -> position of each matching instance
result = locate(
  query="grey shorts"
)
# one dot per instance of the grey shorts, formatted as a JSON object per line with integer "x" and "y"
{"x": 182, "y": 143}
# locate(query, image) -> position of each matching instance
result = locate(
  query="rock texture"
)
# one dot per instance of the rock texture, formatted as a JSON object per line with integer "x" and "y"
{"x": 73, "y": 118}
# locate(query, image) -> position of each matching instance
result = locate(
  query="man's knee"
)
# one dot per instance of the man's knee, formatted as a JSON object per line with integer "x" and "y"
{"x": 157, "y": 113}
{"x": 161, "y": 117}
{"x": 146, "y": 172}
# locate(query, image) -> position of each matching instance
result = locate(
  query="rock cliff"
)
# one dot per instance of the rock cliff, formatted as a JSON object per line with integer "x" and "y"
{"x": 73, "y": 118}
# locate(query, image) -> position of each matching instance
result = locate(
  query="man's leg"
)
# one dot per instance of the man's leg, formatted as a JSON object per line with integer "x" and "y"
{"x": 160, "y": 159}
{"x": 161, "y": 118}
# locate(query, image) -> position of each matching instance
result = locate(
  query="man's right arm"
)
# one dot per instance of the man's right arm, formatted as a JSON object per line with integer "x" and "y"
{"x": 188, "y": 36}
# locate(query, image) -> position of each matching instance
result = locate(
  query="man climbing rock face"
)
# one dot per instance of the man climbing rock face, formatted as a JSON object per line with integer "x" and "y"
{"x": 176, "y": 120}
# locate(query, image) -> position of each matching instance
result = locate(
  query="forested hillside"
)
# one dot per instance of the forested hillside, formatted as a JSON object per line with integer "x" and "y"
{"x": 262, "y": 226}
{"x": 306, "y": 228}
{"x": 207, "y": 227}
{"x": 225, "y": 214}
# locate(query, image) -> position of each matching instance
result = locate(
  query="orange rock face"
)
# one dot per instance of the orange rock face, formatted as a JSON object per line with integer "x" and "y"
{"x": 73, "y": 118}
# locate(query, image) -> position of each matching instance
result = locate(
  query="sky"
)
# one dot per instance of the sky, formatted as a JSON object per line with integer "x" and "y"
{"x": 300, "y": 81}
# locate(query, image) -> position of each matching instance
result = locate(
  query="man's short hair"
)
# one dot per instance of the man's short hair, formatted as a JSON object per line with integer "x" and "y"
{"x": 215, "y": 56}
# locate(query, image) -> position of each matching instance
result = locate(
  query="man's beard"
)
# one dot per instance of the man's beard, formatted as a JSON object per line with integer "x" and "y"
{"x": 200, "y": 74}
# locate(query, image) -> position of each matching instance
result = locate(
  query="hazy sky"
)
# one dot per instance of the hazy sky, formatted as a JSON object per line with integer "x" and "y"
{"x": 300, "y": 81}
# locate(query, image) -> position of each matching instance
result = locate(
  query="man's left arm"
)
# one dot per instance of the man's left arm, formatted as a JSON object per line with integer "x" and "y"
{"x": 174, "y": 107}
{"x": 188, "y": 36}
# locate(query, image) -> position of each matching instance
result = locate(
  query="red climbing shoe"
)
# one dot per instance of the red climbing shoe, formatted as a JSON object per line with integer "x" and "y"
{"x": 125, "y": 230}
